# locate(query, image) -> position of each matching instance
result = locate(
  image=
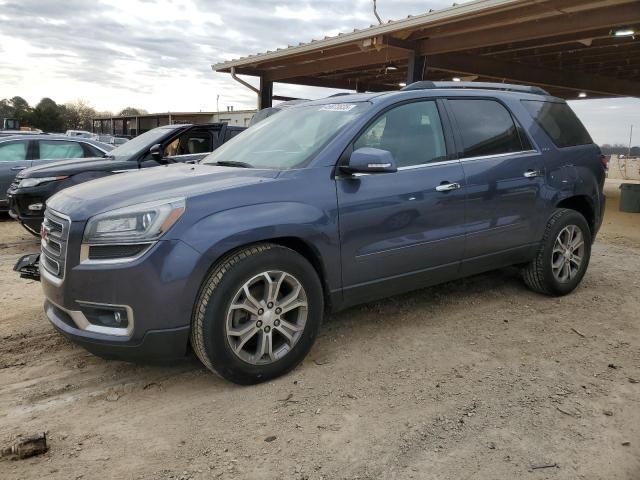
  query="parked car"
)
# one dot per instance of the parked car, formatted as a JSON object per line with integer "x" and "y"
{"x": 19, "y": 152}
{"x": 172, "y": 143}
{"x": 13, "y": 133}
{"x": 325, "y": 205}
{"x": 81, "y": 133}
{"x": 112, "y": 140}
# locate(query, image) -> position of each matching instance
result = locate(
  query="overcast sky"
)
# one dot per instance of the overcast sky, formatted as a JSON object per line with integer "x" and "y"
{"x": 156, "y": 54}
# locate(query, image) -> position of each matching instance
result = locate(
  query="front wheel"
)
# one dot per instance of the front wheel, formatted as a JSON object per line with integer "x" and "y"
{"x": 258, "y": 314}
{"x": 563, "y": 255}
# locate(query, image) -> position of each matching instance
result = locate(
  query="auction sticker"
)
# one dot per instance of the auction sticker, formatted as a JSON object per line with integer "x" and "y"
{"x": 338, "y": 107}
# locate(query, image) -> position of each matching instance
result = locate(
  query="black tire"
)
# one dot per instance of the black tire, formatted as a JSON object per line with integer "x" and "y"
{"x": 538, "y": 274}
{"x": 208, "y": 336}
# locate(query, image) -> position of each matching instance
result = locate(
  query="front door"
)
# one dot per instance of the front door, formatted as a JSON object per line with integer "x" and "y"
{"x": 403, "y": 230}
{"x": 504, "y": 178}
{"x": 13, "y": 158}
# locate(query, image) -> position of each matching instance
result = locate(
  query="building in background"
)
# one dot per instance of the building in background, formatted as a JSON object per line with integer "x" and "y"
{"x": 135, "y": 125}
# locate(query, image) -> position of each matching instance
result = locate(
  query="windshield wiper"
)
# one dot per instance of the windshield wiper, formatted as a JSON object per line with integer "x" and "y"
{"x": 107, "y": 156}
{"x": 233, "y": 163}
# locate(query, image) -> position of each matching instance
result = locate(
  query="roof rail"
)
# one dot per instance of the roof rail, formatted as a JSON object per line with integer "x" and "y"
{"x": 425, "y": 85}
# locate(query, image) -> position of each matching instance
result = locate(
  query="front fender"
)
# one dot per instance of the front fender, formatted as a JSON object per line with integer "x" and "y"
{"x": 221, "y": 232}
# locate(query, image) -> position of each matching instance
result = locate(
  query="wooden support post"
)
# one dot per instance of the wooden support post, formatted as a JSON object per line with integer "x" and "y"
{"x": 265, "y": 98}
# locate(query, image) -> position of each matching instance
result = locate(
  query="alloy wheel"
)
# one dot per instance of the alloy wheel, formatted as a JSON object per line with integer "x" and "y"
{"x": 266, "y": 317}
{"x": 568, "y": 254}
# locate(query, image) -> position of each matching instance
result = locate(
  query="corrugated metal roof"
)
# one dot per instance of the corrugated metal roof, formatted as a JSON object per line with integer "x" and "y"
{"x": 429, "y": 18}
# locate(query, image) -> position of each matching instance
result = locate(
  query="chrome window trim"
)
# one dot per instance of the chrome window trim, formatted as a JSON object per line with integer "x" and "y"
{"x": 445, "y": 162}
{"x": 83, "y": 324}
{"x": 85, "y": 260}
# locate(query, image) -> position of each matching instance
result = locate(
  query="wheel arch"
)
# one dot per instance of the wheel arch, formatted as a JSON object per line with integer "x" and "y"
{"x": 582, "y": 204}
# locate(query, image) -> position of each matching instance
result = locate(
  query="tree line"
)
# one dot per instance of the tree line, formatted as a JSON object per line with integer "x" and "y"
{"x": 619, "y": 149}
{"x": 50, "y": 116}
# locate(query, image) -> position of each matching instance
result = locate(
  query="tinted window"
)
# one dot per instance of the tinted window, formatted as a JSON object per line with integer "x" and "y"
{"x": 230, "y": 134}
{"x": 54, "y": 149}
{"x": 13, "y": 151}
{"x": 486, "y": 128}
{"x": 559, "y": 122}
{"x": 411, "y": 132}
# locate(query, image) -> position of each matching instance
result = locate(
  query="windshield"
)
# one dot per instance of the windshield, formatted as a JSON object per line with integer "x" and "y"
{"x": 141, "y": 142}
{"x": 288, "y": 139}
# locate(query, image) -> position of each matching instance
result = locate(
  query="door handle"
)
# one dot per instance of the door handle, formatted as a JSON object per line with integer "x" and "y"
{"x": 447, "y": 187}
{"x": 17, "y": 169}
{"x": 532, "y": 173}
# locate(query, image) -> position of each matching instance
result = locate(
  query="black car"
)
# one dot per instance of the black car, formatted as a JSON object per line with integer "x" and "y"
{"x": 19, "y": 152}
{"x": 184, "y": 143}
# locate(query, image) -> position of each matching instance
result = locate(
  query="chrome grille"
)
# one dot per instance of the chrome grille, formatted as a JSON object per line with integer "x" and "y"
{"x": 54, "y": 238}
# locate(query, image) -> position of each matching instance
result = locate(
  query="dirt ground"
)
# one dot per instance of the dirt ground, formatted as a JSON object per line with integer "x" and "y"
{"x": 479, "y": 379}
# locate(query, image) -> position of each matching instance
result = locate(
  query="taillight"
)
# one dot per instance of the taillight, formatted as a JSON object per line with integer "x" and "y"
{"x": 605, "y": 161}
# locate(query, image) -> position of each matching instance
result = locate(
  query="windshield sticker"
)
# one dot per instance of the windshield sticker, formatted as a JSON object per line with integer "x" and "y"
{"x": 338, "y": 107}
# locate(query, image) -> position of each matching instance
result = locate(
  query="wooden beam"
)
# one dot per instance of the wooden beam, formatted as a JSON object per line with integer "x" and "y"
{"x": 362, "y": 59}
{"x": 558, "y": 25}
{"x": 534, "y": 75}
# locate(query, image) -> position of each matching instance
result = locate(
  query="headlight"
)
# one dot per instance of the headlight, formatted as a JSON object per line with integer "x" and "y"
{"x": 34, "y": 182}
{"x": 141, "y": 223}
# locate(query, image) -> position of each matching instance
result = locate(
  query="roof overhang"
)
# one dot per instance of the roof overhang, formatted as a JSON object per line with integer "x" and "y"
{"x": 565, "y": 46}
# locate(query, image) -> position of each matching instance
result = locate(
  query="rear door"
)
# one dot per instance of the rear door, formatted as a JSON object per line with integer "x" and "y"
{"x": 504, "y": 178}
{"x": 402, "y": 230}
{"x": 14, "y": 156}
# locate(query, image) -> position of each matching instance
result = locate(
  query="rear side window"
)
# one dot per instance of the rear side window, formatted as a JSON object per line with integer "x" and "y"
{"x": 559, "y": 122}
{"x": 56, "y": 149}
{"x": 487, "y": 128}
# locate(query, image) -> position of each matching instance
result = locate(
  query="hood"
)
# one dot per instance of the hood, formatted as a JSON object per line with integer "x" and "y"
{"x": 129, "y": 188}
{"x": 75, "y": 165}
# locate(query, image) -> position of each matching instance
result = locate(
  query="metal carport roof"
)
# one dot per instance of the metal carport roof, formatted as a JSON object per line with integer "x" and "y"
{"x": 564, "y": 46}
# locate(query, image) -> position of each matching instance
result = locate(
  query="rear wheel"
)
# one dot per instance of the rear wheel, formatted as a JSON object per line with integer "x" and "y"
{"x": 258, "y": 314}
{"x": 563, "y": 256}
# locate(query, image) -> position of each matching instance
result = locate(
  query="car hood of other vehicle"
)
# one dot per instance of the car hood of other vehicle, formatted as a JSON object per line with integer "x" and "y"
{"x": 171, "y": 181}
{"x": 73, "y": 166}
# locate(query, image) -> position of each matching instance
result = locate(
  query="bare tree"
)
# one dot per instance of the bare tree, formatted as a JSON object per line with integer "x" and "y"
{"x": 78, "y": 115}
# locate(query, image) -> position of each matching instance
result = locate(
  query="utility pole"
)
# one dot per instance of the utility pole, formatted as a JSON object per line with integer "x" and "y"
{"x": 630, "y": 137}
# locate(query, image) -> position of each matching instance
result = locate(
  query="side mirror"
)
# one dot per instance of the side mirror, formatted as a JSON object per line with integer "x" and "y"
{"x": 370, "y": 160}
{"x": 156, "y": 152}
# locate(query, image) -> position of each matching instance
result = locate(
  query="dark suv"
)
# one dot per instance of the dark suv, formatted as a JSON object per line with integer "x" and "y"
{"x": 325, "y": 205}
{"x": 187, "y": 143}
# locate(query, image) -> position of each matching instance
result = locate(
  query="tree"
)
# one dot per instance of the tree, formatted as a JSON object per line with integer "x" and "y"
{"x": 16, "y": 107}
{"x": 48, "y": 116}
{"x": 132, "y": 112}
{"x": 78, "y": 115}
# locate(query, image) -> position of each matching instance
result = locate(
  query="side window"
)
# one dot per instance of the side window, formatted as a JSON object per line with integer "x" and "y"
{"x": 559, "y": 122}
{"x": 91, "y": 151}
{"x": 55, "y": 149}
{"x": 191, "y": 142}
{"x": 13, "y": 151}
{"x": 411, "y": 132}
{"x": 486, "y": 128}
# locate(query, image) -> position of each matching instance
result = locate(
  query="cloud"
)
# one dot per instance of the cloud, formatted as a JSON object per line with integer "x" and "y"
{"x": 157, "y": 54}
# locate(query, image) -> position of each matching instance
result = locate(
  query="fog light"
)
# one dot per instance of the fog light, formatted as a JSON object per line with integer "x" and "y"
{"x": 35, "y": 206}
{"x": 106, "y": 316}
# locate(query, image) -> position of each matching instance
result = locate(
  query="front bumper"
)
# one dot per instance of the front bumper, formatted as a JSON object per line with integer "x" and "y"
{"x": 159, "y": 290}
{"x": 18, "y": 206}
{"x": 155, "y": 345}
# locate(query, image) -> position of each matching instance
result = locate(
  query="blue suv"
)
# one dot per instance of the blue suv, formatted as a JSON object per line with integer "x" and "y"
{"x": 328, "y": 204}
